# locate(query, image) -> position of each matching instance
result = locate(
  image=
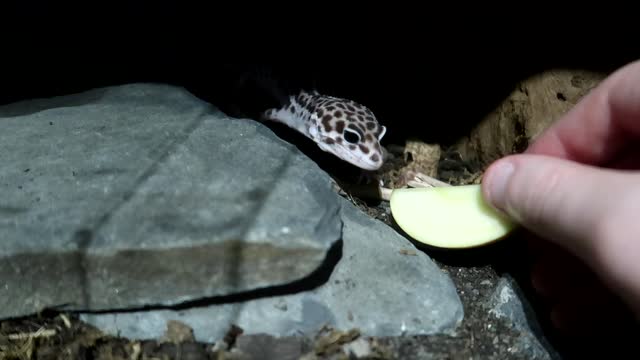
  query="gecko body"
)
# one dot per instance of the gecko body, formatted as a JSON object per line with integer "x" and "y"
{"x": 339, "y": 126}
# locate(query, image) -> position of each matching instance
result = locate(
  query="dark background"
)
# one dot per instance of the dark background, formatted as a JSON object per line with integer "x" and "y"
{"x": 430, "y": 74}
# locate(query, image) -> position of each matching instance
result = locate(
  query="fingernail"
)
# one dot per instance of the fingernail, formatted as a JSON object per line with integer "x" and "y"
{"x": 497, "y": 182}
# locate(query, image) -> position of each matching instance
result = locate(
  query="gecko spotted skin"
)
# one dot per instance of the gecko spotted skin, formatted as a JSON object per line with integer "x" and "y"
{"x": 339, "y": 126}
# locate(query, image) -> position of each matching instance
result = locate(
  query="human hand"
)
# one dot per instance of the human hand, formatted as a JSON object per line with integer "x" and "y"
{"x": 578, "y": 187}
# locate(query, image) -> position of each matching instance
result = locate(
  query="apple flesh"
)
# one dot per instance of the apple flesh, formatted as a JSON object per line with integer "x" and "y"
{"x": 448, "y": 216}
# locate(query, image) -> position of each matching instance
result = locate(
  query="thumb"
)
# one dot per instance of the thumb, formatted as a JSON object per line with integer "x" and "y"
{"x": 557, "y": 199}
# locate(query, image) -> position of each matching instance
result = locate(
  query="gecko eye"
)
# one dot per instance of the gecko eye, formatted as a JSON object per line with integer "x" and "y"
{"x": 351, "y": 136}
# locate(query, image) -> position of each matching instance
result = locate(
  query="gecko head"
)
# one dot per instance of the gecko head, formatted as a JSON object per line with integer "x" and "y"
{"x": 348, "y": 130}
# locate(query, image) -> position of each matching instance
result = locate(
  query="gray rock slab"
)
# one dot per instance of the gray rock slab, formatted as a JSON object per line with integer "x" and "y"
{"x": 506, "y": 303}
{"x": 375, "y": 287}
{"x": 142, "y": 194}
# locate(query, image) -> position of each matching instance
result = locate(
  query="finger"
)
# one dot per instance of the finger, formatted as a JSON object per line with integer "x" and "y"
{"x": 600, "y": 124}
{"x": 557, "y": 199}
{"x": 626, "y": 159}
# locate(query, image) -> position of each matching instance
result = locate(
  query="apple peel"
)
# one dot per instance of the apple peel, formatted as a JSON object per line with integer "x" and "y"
{"x": 451, "y": 217}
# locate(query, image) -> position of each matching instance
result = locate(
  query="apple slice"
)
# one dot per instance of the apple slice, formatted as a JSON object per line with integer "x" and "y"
{"x": 449, "y": 216}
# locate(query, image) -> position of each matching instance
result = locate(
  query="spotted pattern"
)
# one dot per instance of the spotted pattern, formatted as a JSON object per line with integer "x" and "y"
{"x": 343, "y": 127}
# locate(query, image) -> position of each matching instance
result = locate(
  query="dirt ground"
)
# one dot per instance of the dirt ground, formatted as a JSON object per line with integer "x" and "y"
{"x": 475, "y": 273}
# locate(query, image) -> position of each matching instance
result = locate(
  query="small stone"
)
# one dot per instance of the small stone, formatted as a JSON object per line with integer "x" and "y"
{"x": 178, "y": 332}
{"x": 261, "y": 346}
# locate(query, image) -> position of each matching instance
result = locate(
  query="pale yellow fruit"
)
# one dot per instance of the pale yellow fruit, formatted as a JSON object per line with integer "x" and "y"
{"x": 448, "y": 216}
